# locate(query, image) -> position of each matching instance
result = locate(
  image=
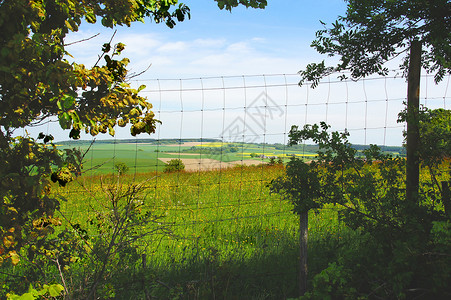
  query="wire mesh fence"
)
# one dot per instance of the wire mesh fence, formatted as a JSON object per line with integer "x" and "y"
{"x": 218, "y": 123}
{"x": 231, "y": 133}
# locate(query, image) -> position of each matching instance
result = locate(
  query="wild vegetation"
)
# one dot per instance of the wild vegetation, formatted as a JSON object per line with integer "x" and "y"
{"x": 407, "y": 237}
{"x": 37, "y": 82}
{"x": 209, "y": 233}
{"x": 126, "y": 237}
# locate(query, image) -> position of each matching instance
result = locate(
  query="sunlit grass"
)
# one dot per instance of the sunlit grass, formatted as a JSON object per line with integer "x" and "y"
{"x": 219, "y": 219}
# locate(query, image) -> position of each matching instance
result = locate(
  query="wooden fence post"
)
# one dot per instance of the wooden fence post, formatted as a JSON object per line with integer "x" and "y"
{"x": 413, "y": 134}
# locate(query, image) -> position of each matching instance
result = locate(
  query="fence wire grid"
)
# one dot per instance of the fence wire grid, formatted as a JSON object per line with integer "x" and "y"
{"x": 235, "y": 121}
{"x": 245, "y": 115}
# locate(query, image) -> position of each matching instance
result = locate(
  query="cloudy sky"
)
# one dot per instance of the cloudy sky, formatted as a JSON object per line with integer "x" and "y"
{"x": 214, "y": 42}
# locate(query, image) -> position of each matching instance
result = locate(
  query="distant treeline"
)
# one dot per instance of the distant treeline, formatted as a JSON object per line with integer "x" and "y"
{"x": 227, "y": 146}
{"x": 139, "y": 141}
{"x": 315, "y": 148}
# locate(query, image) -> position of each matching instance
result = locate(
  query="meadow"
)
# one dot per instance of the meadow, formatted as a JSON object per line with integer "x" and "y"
{"x": 217, "y": 234}
{"x": 229, "y": 237}
{"x": 144, "y": 156}
{"x": 224, "y": 235}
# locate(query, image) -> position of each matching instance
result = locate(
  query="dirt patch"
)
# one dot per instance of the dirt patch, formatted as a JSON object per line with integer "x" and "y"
{"x": 207, "y": 164}
{"x": 248, "y": 162}
{"x": 204, "y": 164}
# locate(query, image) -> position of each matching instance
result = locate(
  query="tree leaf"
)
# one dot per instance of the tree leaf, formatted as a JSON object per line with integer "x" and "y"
{"x": 55, "y": 290}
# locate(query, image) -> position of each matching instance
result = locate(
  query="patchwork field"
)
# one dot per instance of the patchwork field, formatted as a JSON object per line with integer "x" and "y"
{"x": 152, "y": 156}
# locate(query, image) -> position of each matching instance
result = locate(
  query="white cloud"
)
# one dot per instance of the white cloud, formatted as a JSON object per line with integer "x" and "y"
{"x": 174, "y": 47}
{"x": 209, "y": 43}
{"x": 140, "y": 44}
{"x": 181, "y": 56}
{"x": 240, "y": 47}
{"x": 259, "y": 40}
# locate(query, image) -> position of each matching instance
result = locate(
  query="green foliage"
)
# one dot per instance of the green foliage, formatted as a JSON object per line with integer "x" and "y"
{"x": 229, "y": 4}
{"x": 28, "y": 169}
{"x": 121, "y": 168}
{"x": 330, "y": 283}
{"x": 300, "y": 185}
{"x": 370, "y": 192}
{"x": 174, "y": 165}
{"x": 374, "y": 32}
{"x": 52, "y": 290}
{"x": 435, "y": 134}
{"x": 38, "y": 82}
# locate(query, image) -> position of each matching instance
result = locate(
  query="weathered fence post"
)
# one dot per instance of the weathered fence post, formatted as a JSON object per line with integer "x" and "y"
{"x": 413, "y": 134}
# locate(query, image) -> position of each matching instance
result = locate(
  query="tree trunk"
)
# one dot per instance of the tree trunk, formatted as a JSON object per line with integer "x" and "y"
{"x": 303, "y": 237}
{"x": 413, "y": 134}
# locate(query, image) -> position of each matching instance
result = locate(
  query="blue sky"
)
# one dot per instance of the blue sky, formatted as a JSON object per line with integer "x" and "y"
{"x": 214, "y": 42}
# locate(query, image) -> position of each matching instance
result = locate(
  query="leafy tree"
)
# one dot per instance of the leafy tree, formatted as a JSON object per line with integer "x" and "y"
{"x": 407, "y": 238}
{"x": 371, "y": 189}
{"x": 121, "y": 168}
{"x": 37, "y": 82}
{"x": 174, "y": 165}
{"x": 374, "y": 32}
{"x": 302, "y": 187}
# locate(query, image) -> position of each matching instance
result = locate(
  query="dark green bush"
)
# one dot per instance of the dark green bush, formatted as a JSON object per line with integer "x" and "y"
{"x": 174, "y": 165}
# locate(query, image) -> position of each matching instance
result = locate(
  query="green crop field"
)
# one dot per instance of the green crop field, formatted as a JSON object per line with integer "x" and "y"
{"x": 144, "y": 156}
{"x": 229, "y": 236}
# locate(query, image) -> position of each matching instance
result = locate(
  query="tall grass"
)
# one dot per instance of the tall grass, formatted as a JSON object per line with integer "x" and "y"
{"x": 230, "y": 238}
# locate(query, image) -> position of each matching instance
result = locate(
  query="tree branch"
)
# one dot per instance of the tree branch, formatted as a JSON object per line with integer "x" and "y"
{"x": 83, "y": 40}
{"x": 103, "y": 53}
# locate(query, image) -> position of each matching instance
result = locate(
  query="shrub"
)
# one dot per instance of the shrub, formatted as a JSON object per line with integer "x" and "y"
{"x": 121, "y": 168}
{"x": 174, "y": 165}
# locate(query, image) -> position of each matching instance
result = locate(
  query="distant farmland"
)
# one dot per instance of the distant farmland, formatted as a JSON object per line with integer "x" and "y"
{"x": 148, "y": 155}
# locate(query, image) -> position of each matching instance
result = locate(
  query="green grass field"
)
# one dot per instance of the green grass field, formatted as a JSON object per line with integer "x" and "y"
{"x": 145, "y": 157}
{"x": 230, "y": 238}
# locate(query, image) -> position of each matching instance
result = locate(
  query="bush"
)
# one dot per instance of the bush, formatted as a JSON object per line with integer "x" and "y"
{"x": 121, "y": 168}
{"x": 174, "y": 165}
